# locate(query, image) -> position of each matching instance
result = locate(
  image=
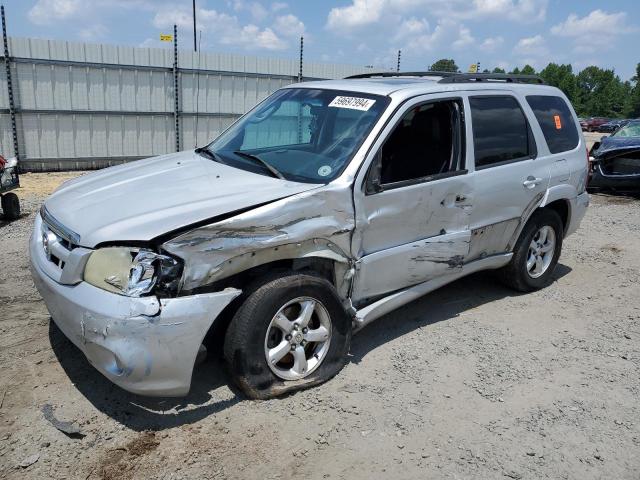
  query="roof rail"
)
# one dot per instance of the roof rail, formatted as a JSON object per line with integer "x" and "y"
{"x": 400, "y": 74}
{"x": 453, "y": 77}
{"x": 500, "y": 77}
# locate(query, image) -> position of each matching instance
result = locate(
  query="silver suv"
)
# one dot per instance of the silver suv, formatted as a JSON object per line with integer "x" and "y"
{"x": 326, "y": 206}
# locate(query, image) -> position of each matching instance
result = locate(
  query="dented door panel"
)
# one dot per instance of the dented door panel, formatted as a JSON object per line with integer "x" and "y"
{"x": 409, "y": 264}
{"x": 404, "y": 215}
{"x": 410, "y": 235}
{"x": 492, "y": 239}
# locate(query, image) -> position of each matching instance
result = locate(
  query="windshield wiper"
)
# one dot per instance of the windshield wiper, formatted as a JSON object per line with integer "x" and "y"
{"x": 264, "y": 163}
{"x": 205, "y": 152}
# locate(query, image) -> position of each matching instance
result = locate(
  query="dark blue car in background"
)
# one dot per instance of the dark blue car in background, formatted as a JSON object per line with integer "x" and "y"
{"x": 615, "y": 161}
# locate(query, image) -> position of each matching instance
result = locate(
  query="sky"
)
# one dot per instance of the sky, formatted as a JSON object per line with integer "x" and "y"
{"x": 503, "y": 33}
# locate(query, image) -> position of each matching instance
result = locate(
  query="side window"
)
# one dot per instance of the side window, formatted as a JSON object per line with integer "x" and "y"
{"x": 427, "y": 142}
{"x": 500, "y": 131}
{"x": 556, "y": 122}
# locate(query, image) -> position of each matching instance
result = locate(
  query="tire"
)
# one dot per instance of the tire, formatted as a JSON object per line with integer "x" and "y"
{"x": 11, "y": 206}
{"x": 254, "y": 333}
{"x": 518, "y": 274}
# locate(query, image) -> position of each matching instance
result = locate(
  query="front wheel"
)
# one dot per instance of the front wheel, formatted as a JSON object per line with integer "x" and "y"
{"x": 290, "y": 333}
{"x": 536, "y": 253}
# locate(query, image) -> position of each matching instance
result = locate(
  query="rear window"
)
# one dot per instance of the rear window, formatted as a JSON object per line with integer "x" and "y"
{"x": 501, "y": 133}
{"x": 556, "y": 122}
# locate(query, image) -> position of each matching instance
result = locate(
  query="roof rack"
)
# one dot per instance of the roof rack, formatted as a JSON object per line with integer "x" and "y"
{"x": 500, "y": 77}
{"x": 453, "y": 77}
{"x": 400, "y": 74}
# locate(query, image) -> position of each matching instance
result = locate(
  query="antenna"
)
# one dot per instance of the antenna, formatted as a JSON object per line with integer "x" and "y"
{"x": 195, "y": 132}
{"x": 301, "y": 49}
{"x": 195, "y": 49}
{"x": 398, "y": 66}
{"x": 176, "y": 87}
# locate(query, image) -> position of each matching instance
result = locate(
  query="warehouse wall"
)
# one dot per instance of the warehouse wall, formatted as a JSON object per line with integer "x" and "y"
{"x": 86, "y": 105}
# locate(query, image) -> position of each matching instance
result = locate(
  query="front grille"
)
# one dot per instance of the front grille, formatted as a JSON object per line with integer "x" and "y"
{"x": 56, "y": 248}
{"x": 56, "y": 253}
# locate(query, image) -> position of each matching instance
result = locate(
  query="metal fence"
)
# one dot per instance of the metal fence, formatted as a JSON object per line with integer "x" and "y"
{"x": 80, "y": 105}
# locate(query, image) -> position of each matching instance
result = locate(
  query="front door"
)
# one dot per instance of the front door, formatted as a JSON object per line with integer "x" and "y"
{"x": 412, "y": 214}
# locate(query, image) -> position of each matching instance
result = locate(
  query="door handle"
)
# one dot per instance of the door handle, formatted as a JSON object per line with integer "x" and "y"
{"x": 531, "y": 182}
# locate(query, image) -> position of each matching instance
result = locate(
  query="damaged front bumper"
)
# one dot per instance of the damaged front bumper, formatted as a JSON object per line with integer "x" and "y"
{"x": 616, "y": 170}
{"x": 145, "y": 345}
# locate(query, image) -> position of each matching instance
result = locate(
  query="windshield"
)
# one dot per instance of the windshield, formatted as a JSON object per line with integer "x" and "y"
{"x": 306, "y": 135}
{"x": 629, "y": 130}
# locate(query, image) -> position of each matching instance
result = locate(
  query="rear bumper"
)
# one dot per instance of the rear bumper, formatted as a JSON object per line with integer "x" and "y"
{"x": 578, "y": 209}
{"x": 145, "y": 345}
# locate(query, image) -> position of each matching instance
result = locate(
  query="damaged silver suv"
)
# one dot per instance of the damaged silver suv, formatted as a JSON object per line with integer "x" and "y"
{"x": 326, "y": 206}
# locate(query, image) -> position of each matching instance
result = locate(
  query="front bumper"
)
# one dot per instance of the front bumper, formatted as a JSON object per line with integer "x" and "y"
{"x": 145, "y": 345}
{"x": 622, "y": 183}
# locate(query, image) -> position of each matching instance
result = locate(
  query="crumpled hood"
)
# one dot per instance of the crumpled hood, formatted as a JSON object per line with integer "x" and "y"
{"x": 147, "y": 198}
{"x": 610, "y": 144}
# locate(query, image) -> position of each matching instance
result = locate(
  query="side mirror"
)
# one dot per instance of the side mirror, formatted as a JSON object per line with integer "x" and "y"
{"x": 374, "y": 184}
{"x": 603, "y": 137}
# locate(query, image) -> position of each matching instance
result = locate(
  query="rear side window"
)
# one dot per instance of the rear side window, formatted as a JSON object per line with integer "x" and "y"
{"x": 556, "y": 122}
{"x": 501, "y": 133}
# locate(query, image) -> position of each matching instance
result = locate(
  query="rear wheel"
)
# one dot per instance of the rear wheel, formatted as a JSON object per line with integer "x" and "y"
{"x": 290, "y": 333}
{"x": 536, "y": 253}
{"x": 11, "y": 206}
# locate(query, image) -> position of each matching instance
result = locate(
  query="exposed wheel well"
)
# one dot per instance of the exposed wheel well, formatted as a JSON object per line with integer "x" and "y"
{"x": 561, "y": 207}
{"x": 248, "y": 281}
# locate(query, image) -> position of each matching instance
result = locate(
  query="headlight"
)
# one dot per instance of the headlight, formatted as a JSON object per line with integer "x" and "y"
{"x": 132, "y": 271}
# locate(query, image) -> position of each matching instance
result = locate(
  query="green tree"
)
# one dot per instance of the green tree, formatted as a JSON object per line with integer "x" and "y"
{"x": 632, "y": 109}
{"x": 601, "y": 92}
{"x": 528, "y": 70}
{"x": 444, "y": 65}
{"x": 498, "y": 70}
{"x": 562, "y": 77}
{"x": 515, "y": 71}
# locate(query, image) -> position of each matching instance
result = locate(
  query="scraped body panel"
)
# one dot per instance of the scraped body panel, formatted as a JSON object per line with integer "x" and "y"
{"x": 409, "y": 264}
{"x": 294, "y": 227}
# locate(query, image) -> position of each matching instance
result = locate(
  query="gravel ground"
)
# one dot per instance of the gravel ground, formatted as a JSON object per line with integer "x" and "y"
{"x": 471, "y": 381}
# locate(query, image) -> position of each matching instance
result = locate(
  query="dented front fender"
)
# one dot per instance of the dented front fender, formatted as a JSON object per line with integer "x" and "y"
{"x": 315, "y": 223}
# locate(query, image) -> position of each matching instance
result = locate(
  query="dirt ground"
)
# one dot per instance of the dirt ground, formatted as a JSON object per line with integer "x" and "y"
{"x": 471, "y": 381}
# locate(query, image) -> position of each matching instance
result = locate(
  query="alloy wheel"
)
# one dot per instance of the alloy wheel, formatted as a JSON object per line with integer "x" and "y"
{"x": 297, "y": 339}
{"x": 541, "y": 251}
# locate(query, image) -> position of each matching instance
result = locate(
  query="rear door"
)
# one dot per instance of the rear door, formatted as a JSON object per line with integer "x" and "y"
{"x": 565, "y": 151}
{"x": 510, "y": 178}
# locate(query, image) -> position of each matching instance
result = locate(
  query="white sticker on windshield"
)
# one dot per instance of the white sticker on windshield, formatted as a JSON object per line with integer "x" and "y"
{"x": 354, "y": 103}
{"x": 324, "y": 171}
